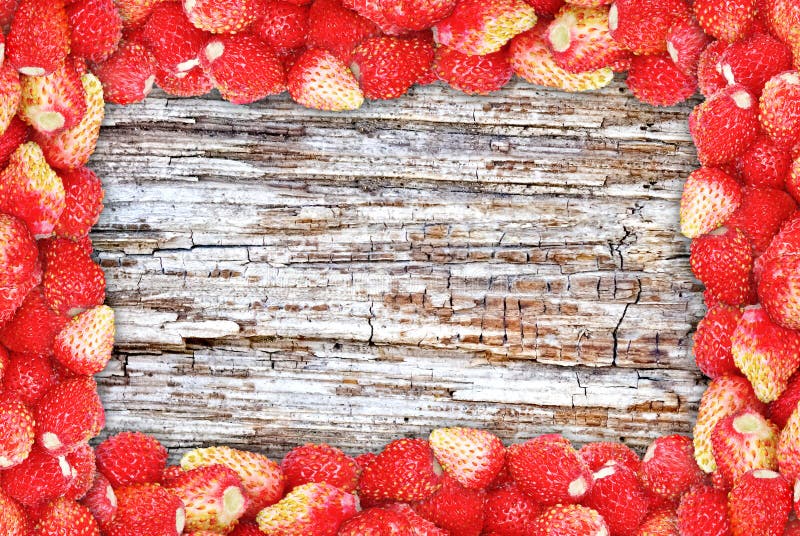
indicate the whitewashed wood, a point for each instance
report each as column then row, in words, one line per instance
column 509, row 262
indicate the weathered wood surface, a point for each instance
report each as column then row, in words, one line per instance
column 510, row 262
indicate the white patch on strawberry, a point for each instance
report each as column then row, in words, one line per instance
column 751, row 425
column 743, row 100
column 32, row 71
column 605, row 472
column 559, row 34
column 214, row 50
column 673, row 52
column 727, row 72
column 765, row 474
column 578, row 487
column 111, row 496
column 63, row 464
column 797, row 490
column 188, row 5
column 613, row 17
column 233, row 501
column 180, row 519
column 4, row 462
column 148, row 84
column 51, row 441
column 188, row 65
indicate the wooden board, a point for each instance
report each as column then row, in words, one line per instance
column 512, row 262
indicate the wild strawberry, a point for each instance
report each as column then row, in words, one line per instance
column 724, row 126
column 668, row 467
column 416, row 15
column 16, row 133
column 387, row 66
column 13, row 520
column 38, row 42
column 729, row 21
column 703, row 511
column 246, row 528
column 723, row 261
column 308, row 510
column 82, row 460
column 546, row 8
column 765, row 352
column 404, row 471
column 136, row 12
column 709, row 72
column 10, row 96
column 213, row 497
column 580, row 40
column 16, row 432
column 84, row 202
column 96, row 28
column 509, row 512
column 20, row 270
column 760, row 503
column 193, row 83
column 320, row 463
column 376, row 522
column 744, row 441
column 570, row 520
column 531, row 59
column 780, row 109
column 712, row 341
column 282, row 25
column 4, row 363
column 261, row 477
column 548, row 469
column 660, row 522
column 792, row 180
column 478, row 27
column 69, row 414
column 128, row 75
column 454, row 508
column 686, row 42
column 656, row 80
column 72, row 282
column 338, row 30
column 761, row 214
column 474, row 75
column 779, row 410
column 131, row 458
column 222, row 16
column 782, row 17
column 618, row 496
column 596, row 455
column 101, row 500
column 764, row 165
column 146, row 509
column 419, row 525
column 754, row 61
column 785, row 242
column 779, row 290
column 28, row 377
column 34, row 326
column 320, row 80
column 642, row 26
column 65, row 517
column 174, row 41
column 472, row 457
column 39, row 478
column 85, row 344
column 71, row 148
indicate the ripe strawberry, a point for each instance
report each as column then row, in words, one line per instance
column 338, row 30
column 146, row 509
column 660, row 522
column 72, row 282
column 709, row 197
column 755, row 60
column 193, row 83
column 760, row 503
column 457, row 509
column 82, row 460
column 764, row 165
column 404, row 471
column 10, row 96
column 65, row 517
column 16, row 432
column 128, row 75
column 782, row 17
column 709, row 72
column 509, row 512
column 786, row 242
column 319, row 80
column 308, row 510
column 101, row 500
column 34, row 326
column 546, row 9
column 419, row 525
column 686, row 42
column 656, row 80
column 85, row 344
column 478, row 27
column 222, row 16
column 596, row 455
column 261, row 477
column 531, row 59
column 712, row 341
column 71, row 148
column 580, row 40
column 376, row 522
column 618, row 496
column 131, row 458
column 792, row 180
column 84, row 202
column 213, row 497
column 724, row 126
column 282, row 25
column 246, row 528
column 136, row 12
column 744, row 441
column 39, row 478
column 243, row 68
column 69, row 414
column 16, row 133
column 570, row 520
column 387, row 66
column 779, row 411
column 28, row 377
column 723, row 261
column 729, row 21
column 320, row 463
column 780, row 109
column 761, row 214
column 549, row 470
column 779, row 290
column 668, row 467
column 703, row 511
column 20, row 270
column 472, row 457
column 174, row 41
column 13, row 520
column 38, row 42
column 416, row 15
column 96, row 28
column 4, row 363
column 765, row 352
column 642, row 26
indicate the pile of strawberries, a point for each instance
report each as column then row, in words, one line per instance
column 739, row 475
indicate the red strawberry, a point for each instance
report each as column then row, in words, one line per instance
column 754, row 61
column 319, row 80
column 15, row 134
column 222, row 16
column 146, row 509
column 282, row 25
column 65, row 517
column 320, row 463
column 39, row 478
column 709, row 197
column 780, row 109
column 4, row 363
column 709, row 72
column 416, row 14
column 765, row 352
column 474, row 75
column 13, row 520
column 703, row 511
column 404, row 471
column 779, row 290
column 333, row 27
column 478, row 27
column 10, row 96
column 128, row 75
column 786, row 242
column 243, row 68
column 472, row 457
column 668, row 467
column 174, row 41
column 686, row 42
column 712, row 341
column 131, row 458
column 85, row 344
column 760, row 504
column 82, row 460
column 20, row 270
column 308, row 510
column 656, row 80
column 372, row 11
column 34, row 326
column 135, row 12
column 28, row 377
column 724, row 126
column 642, row 26
column 618, row 496
column 764, row 165
column 660, row 522
column 193, row 83
column 792, row 180
column 509, row 512
column 454, row 508
column 261, row 477
column 376, row 522
column 69, row 414
column 213, row 497
column 247, row 528
column 38, row 42
column 387, row 66
column 84, row 202
column 72, row 281
column 723, row 261
column 596, row 455
column 96, row 28
column 779, row 411
column 570, row 520
column 549, row 470
column 419, row 525
column 101, row 500
column 580, row 40
column 16, row 432
column 761, row 214
column 546, row 8
column 730, row 20
column 782, row 17
column 744, row 441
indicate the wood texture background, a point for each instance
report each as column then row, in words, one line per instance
column 512, row 262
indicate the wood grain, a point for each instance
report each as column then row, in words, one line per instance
column 282, row 275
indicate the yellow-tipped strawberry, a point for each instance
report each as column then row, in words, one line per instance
column 709, row 198
column 17, row 426
column 479, row 27
column 10, row 93
column 743, row 441
column 13, row 520
column 310, row 509
column 779, row 107
column 31, row 190
column 472, row 457
column 84, row 345
column 213, row 496
column 320, row 80
column 580, row 40
column 53, row 102
column 20, row 270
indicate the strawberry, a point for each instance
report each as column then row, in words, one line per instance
column 792, row 180
column 96, row 28
column 712, row 341
column 668, row 467
column 754, row 61
column 703, row 511
column 723, row 261
column 509, row 512
column 72, row 282
column 10, row 96
column 531, row 59
column 320, row 463
column 4, row 364
column 222, row 16
column 785, row 242
column 789, row 447
column 38, row 42
column 213, row 497
column 596, row 455
column 16, row 432
column 174, row 41
column 642, row 26
column 386, row 67
column 761, row 214
column 333, row 27
column 546, row 8
column 376, row 522
column 686, row 42
column 419, row 525
column 136, row 12
column 656, row 80
column 709, row 197
column 282, row 25
column 65, row 517
column 660, row 522
column 128, row 74
column 765, row 165
column 320, row 80
column 472, row 457
column 570, row 520
column 780, row 109
column 779, row 290
column 404, row 471
column 416, row 14
column 20, row 270
column 474, row 75
column 34, row 326
column 71, row 148
column 744, row 441
column 478, row 27
column 146, row 509
column 84, row 202
column 782, row 17
column 792, row 527
column 13, row 520
column 261, row 477
column 101, row 500
column 16, row 133
column 618, row 496
column 28, row 377
column 779, row 410
column 85, row 344
column 193, row 83
column 765, row 352
column 580, row 41
column 373, row 11
column 308, row 510
column 131, row 458
column 246, row 528
column 760, row 504
column 549, row 470
column 69, row 414
column 243, row 68
column 730, row 20
column 456, row 509
column 709, row 72
column 724, row 126
column 82, row 460
column 39, row 478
